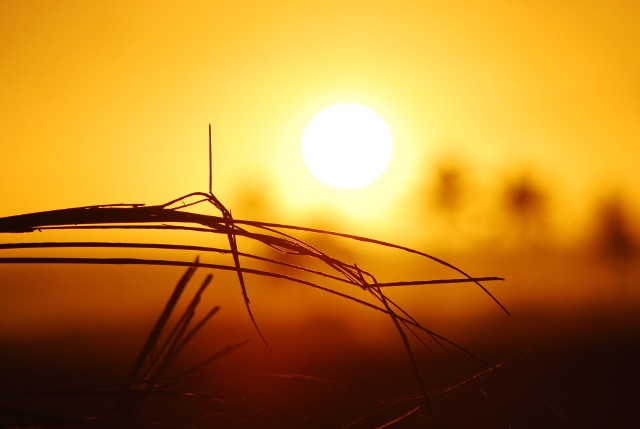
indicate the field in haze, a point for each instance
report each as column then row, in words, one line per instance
column 572, row 338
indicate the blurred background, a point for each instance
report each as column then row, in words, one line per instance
column 516, row 130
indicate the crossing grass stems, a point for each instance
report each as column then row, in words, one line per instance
column 148, row 377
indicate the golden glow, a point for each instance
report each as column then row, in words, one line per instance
column 347, row 146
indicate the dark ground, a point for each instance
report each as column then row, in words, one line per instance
column 590, row 378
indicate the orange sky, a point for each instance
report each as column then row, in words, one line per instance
column 109, row 102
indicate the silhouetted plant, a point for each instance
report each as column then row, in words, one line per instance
column 336, row 277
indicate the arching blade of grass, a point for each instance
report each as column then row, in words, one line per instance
column 163, row 262
column 125, row 215
column 155, row 357
column 205, row 249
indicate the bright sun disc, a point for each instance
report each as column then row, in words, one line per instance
column 347, row 146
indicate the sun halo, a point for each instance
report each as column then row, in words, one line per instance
column 347, row 146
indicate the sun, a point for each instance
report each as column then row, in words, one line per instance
column 347, row 146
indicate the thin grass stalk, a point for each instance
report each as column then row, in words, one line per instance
column 166, row 351
column 214, row 357
column 407, row 346
column 126, row 214
column 192, row 333
column 159, row 373
column 126, row 404
column 180, row 344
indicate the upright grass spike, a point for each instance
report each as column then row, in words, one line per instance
column 177, row 340
column 210, row 163
column 127, row 404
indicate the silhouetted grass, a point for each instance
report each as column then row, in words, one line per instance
column 148, row 378
column 143, row 382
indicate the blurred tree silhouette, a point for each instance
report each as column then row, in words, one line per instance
column 447, row 194
column 449, row 187
column 445, row 205
column 526, row 205
column 614, row 235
